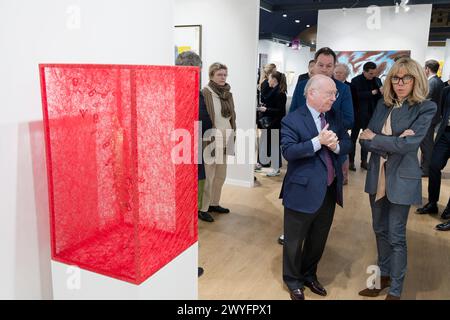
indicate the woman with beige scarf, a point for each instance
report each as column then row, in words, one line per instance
column 220, row 106
column 398, row 125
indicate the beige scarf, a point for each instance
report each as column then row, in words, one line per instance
column 226, row 98
column 387, row 131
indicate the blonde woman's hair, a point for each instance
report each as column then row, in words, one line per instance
column 271, row 67
column 216, row 66
column 420, row 89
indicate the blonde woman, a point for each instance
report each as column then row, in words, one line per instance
column 263, row 94
column 398, row 125
column 272, row 111
column 263, row 85
column 220, row 106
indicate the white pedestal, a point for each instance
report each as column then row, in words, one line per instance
column 176, row 281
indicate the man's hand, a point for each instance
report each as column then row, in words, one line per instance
column 367, row 135
column 327, row 137
column 261, row 108
column 374, row 92
column 407, row 133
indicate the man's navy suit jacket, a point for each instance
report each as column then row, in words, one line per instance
column 305, row 184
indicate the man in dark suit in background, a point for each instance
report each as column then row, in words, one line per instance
column 436, row 85
column 368, row 87
column 315, row 144
column 439, row 158
column 307, row 75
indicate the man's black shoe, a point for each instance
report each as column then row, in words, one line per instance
column 205, row 216
column 443, row 226
column 430, row 207
column 218, row 209
column 316, row 287
column 297, row 294
column 446, row 214
column 364, row 165
column 351, row 166
column 200, row 271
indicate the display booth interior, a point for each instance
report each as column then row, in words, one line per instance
column 119, row 203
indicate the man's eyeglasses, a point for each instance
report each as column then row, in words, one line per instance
column 405, row 79
column 332, row 94
column 328, row 94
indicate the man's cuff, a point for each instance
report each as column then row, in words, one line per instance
column 337, row 150
column 316, row 144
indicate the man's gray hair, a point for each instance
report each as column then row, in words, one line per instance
column 343, row 65
column 308, row 86
column 188, row 58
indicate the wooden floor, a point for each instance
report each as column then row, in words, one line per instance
column 242, row 259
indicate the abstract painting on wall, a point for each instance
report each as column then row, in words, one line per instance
column 383, row 59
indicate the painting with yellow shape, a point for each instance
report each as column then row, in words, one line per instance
column 183, row 49
column 441, row 66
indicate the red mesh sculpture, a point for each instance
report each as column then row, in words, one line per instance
column 119, row 205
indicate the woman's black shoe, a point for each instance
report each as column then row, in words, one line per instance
column 205, row 216
column 218, row 209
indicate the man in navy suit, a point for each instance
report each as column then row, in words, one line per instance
column 325, row 59
column 315, row 144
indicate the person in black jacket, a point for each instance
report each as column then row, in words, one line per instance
column 263, row 86
column 263, row 90
column 269, row 117
column 439, row 158
column 368, row 87
column 190, row 58
column 307, row 75
column 434, row 94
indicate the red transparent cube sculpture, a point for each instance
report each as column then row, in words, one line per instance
column 119, row 205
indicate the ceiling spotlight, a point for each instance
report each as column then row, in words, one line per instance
column 308, row 26
column 297, row 21
column 312, row 42
column 284, row 15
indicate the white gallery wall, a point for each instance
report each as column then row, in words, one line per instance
column 446, row 69
column 376, row 28
column 436, row 53
column 229, row 35
column 287, row 59
column 55, row 31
